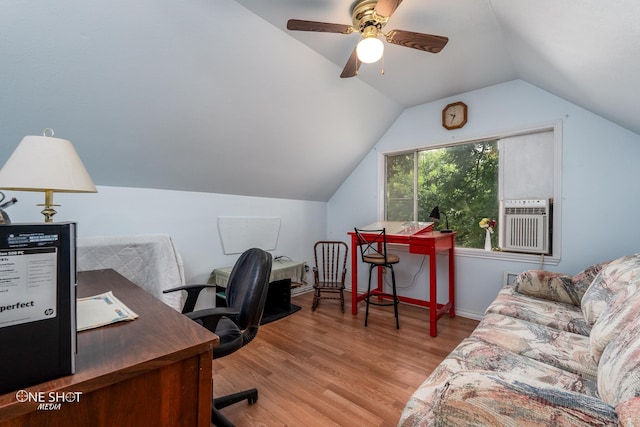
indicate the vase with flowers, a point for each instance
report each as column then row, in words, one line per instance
column 488, row 225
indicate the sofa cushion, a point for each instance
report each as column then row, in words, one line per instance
column 619, row 368
column 622, row 310
column 613, row 277
column 629, row 413
column 548, row 285
column 557, row 315
column 583, row 279
column 504, row 399
column 474, row 354
column 562, row 349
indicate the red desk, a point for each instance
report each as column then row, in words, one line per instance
column 421, row 239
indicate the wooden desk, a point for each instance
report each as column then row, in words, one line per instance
column 152, row 371
column 421, row 240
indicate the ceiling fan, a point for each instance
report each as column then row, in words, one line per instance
column 369, row 18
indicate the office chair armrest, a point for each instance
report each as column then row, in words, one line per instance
column 209, row 317
column 188, row 287
column 193, row 291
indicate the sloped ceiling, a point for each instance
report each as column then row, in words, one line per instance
column 217, row 96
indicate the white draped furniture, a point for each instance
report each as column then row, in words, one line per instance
column 151, row 261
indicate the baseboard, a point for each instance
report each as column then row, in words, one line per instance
column 303, row 289
column 461, row 313
column 469, row 315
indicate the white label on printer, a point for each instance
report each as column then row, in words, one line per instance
column 28, row 285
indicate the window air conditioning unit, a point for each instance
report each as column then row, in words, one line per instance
column 526, row 226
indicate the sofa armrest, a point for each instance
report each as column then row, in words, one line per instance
column 490, row 398
column 548, row 285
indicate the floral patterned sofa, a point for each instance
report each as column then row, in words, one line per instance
column 552, row 349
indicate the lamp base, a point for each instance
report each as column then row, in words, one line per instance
column 48, row 210
column 48, row 213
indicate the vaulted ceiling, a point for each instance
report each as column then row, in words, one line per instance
column 217, row 96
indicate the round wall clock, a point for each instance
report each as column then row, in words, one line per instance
column 454, row 116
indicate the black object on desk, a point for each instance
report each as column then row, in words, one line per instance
column 37, row 303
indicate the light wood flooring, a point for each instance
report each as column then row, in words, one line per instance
column 325, row 368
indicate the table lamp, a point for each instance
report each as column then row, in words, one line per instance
column 48, row 164
column 435, row 215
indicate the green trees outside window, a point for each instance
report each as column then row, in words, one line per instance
column 462, row 180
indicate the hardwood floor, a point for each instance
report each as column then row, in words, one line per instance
column 325, row 368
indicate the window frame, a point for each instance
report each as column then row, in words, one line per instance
column 540, row 259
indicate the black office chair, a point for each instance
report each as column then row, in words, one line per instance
column 237, row 324
column 373, row 250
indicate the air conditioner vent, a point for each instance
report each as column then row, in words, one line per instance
column 525, row 211
column 526, row 225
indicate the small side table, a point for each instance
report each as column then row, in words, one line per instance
column 283, row 273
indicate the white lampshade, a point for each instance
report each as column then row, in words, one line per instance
column 45, row 163
column 370, row 50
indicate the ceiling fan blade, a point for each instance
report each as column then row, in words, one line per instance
column 322, row 27
column 387, row 7
column 426, row 42
column 351, row 68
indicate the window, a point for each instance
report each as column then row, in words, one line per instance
column 468, row 181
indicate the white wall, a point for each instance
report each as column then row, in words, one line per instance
column 600, row 205
column 189, row 217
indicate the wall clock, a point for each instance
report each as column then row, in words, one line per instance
column 454, row 116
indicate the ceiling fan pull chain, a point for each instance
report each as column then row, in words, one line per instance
column 382, row 63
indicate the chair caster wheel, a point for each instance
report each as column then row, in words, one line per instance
column 253, row 398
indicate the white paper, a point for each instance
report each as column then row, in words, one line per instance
column 101, row 310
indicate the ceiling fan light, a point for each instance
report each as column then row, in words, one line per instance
column 370, row 50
